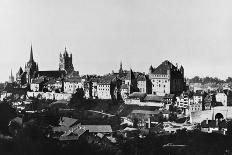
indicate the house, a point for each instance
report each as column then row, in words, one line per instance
column 109, row 87
column 55, row 84
column 197, row 98
column 210, row 126
column 153, row 100
column 143, row 99
column 142, row 83
column 72, row 84
column 124, row 91
column 182, row 101
column 195, row 107
column 38, row 84
column 169, row 98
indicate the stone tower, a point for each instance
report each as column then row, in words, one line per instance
column 66, row 62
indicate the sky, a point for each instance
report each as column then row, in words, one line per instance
column 100, row 33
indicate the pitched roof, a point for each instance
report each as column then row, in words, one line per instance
column 141, row 77
column 137, row 95
column 52, row 73
column 107, row 79
column 66, row 121
column 153, row 98
column 163, row 68
column 98, row 128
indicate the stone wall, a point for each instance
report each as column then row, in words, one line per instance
column 50, row 95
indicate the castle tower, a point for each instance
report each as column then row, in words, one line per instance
column 65, row 63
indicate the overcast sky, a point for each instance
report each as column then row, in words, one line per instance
column 101, row 33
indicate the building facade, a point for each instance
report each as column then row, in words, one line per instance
column 167, row 79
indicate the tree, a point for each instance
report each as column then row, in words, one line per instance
column 229, row 127
column 77, row 98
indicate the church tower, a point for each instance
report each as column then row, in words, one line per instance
column 31, row 67
column 65, row 63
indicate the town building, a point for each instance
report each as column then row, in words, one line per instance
column 142, row 83
column 109, row 87
column 72, row 84
column 54, row 85
column 37, row 84
column 167, row 79
column 198, row 98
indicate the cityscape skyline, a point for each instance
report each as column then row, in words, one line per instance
column 194, row 34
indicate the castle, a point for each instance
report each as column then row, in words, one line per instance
column 167, row 79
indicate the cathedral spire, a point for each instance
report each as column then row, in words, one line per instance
column 31, row 55
column 65, row 51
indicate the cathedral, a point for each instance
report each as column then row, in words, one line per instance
column 31, row 71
